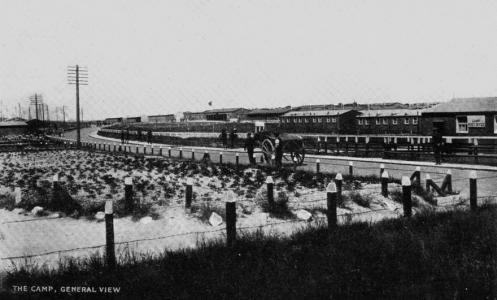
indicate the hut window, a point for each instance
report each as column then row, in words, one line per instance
column 395, row 121
column 461, row 124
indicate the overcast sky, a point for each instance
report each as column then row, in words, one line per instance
column 153, row 57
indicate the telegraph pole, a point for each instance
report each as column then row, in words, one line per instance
column 78, row 76
column 35, row 100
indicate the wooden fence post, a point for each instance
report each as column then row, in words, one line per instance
column 137, row 149
column 189, row 193
column 270, row 191
column 237, row 160
column 338, row 184
column 325, row 145
column 180, row 152
column 128, row 194
column 220, row 157
column 406, row 196
column 318, row 163
column 160, row 151
column 331, row 201
column 384, row 184
column 428, row 182
column 169, row 152
column 473, row 194
column 110, row 254
column 338, row 146
column 447, row 183
column 144, row 150
column 193, row 154
column 351, row 168
column 230, row 222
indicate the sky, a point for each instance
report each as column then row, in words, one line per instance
column 158, row 56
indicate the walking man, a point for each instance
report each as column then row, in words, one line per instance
column 249, row 147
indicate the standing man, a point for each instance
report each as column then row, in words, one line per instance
column 249, row 147
column 437, row 147
column 122, row 136
column 224, row 138
column 149, row 136
column 278, row 149
column 127, row 135
column 233, row 137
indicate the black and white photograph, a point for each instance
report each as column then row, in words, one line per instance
column 248, row 149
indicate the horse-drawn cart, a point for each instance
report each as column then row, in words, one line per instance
column 292, row 145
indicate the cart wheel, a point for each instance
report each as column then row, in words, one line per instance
column 267, row 148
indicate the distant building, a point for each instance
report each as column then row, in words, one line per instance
column 462, row 117
column 109, row 121
column 162, row 118
column 133, row 120
column 13, row 128
column 226, row 114
column 319, row 121
column 267, row 114
column 193, row 116
column 389, row 121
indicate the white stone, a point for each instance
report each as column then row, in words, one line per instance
column 36, row 210
column 146, row 220
column 100, row 216
column 303, row 214
column 215, row 219
column 18, row 195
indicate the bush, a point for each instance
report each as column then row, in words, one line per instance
column 7, row 201
column 358, row 198
column 280, row 208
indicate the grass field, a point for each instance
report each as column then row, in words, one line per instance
column 448, row 255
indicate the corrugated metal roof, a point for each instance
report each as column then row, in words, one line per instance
column 155, row 116
column 460, row 105
column 223, row 110
column 13, row 123
column 390, row 113
column 317, row 113
column 263, row 111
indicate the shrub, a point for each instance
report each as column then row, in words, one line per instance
column 7, row 201
column 359, row 199
column 280, row 208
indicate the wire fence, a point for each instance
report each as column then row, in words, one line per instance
column 315, row 198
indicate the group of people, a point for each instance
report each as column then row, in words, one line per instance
column 233, row 136
column 125, row 136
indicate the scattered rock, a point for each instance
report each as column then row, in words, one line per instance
column 100, row 216
column 74, row 214
column 18, row 210
column 215, row 219
column 303, row 214
column 37, row 210
column 146, row 220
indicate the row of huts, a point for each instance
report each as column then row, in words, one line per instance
column 460, row 116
